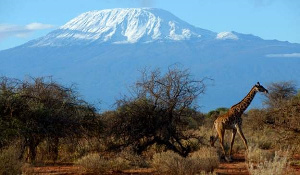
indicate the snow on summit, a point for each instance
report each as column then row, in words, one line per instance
column 226, row 35
column 123, row 25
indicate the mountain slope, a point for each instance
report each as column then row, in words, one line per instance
column 123, row 26
column 102, row 51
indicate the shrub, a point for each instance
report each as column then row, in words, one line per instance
column 97, row 164
column 265, row 164
column 172, row 164
column 119, row 164
column 9, row 162
column 93, row 163
column 255, row 154
column 205, row 159
column 134, row 159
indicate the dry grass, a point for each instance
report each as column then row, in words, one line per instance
column 255, row 154
column 207, row 173
column 72, row 150
column 172, row 164
column 135, row 161
column 97, row 164
column 262, row 163
column 263, row 138
column 205, row 160
column 9, row 162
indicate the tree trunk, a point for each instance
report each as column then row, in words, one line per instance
column 53, row 148
column 32, row 151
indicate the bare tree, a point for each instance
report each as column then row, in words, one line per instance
column 158, row 112
column 280, row 91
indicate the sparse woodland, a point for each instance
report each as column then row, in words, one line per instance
column 158, row 126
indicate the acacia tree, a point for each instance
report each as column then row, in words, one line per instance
column 8, row 102
column 280, row 92
column 158, row 112
column 283, row 112
column 41, row 109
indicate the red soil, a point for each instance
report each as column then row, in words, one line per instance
column 237, row 167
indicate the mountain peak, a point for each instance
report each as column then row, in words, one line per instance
column 124, row 25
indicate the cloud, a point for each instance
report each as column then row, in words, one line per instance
column 38, row 26
column 10, row 30
column 284, row 55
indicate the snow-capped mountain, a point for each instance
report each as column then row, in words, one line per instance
column 119, row 26
column 103, row 51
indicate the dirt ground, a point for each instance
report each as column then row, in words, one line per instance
column 237, row 167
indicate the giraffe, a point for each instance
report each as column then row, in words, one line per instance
column 232, row 120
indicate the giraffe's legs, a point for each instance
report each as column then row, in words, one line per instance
column 221, row 133
column 213, row 139
column 239, row 130
column 232, row 141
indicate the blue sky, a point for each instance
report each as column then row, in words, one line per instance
column 24, row 20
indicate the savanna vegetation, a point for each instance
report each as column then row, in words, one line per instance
column 158, row 127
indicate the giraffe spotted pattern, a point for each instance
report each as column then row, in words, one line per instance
column 232, row 120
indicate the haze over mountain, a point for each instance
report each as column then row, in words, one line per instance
column 102, row 51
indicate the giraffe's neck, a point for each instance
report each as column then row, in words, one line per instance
column 243, row 105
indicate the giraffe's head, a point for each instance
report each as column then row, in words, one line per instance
column 260, row 88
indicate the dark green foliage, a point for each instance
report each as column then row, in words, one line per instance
column 217, row 112
column 211, row 116
column 41, row 109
